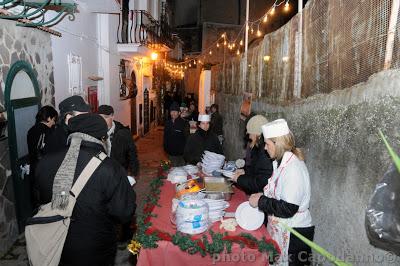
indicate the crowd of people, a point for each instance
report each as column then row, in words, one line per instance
column 185, row 148
column 275, row 176
column 58, row 153
column 60, row 146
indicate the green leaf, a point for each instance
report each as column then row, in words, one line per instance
column 395, row 157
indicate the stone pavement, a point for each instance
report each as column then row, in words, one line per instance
column 150, row 151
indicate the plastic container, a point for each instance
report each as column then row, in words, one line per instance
column 192, row 216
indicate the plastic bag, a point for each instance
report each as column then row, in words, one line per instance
column 382, row 219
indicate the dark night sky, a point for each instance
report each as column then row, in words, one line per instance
column 193, row 13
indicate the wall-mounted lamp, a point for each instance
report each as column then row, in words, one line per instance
column 267, row 58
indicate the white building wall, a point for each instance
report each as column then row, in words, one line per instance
column 109, row 61
column 80, row 38
column 94, row 38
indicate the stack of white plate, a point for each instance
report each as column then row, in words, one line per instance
column 177, row 175
column 192, row 216
column 216, row 209
column 191, row 169
column 212, row 161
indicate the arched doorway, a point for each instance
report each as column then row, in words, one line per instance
column 22, row 99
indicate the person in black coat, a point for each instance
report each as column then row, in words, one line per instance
column 121, row 146
column 106, row 199
column 194, row 113
column 37, row 138
column 69, row 107
column 167, row 104
column 256, row 173
column 216, row 120
column 176, row 132
column 202, row 140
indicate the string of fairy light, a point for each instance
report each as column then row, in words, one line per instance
column 234, row 45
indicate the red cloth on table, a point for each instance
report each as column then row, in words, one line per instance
column 168, row 254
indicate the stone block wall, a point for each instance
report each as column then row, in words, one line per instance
column 344, row 155
column 33, row 46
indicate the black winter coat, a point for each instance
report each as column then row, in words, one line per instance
column 199, row 142
column 257, row 173
column 216, row 124
column 123, row 148
column 36, row 137
column 57, row 139
column 175, row 135
column 106, row 199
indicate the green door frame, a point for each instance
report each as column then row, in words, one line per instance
column 21, row 206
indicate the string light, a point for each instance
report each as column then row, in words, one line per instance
column 252, row 26
column 272, row 12
column 286, row 8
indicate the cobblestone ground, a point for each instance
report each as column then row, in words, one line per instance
column 150, row 153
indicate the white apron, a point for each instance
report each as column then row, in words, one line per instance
column 274, row 190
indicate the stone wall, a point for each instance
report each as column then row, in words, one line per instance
column 344, row 155
column 33, row 46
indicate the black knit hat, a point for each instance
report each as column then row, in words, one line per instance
column 73, row 103
column 91, row 124
column 174, row 107
column 105, row 110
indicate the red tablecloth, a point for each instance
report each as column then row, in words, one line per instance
column 168, row 254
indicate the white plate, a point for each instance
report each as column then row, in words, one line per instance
column 249, row 218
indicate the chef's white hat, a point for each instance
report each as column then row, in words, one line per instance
column 204, row 118
column 275, row 129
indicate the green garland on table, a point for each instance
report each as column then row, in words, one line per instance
column 147, row 237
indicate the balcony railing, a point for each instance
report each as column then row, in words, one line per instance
column 141, row 28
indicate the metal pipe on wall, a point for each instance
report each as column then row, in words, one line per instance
column 246, row 44
column 298, row 52
column 391, row 34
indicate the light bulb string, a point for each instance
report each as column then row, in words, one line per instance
column 224, row 36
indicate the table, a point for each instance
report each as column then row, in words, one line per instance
column 168, row 254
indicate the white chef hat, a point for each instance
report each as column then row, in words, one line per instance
column 204, row 118
column 275, row 129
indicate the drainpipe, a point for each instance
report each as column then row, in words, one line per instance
column 246, row 44
column 391, row 32
column 298, row 52
column 239, row 9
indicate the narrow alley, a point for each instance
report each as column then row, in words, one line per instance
column 234, row 95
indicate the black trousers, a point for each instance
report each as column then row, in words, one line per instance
column 299, row 253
